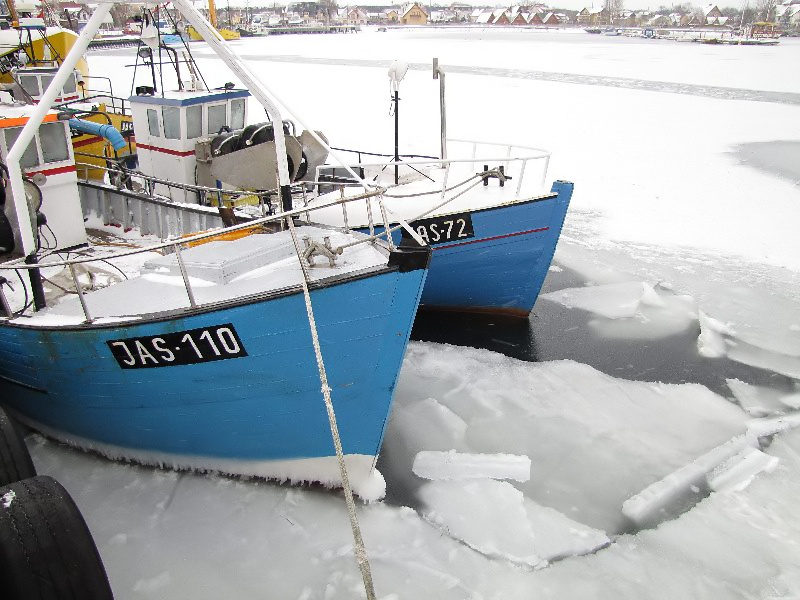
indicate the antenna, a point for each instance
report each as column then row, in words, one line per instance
column 397, row 70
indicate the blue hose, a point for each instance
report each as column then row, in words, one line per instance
column 109, row 132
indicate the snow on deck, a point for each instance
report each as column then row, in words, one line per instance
column 218, row 271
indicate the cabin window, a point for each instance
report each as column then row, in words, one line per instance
column 70, row 87
column 30, row 83
column 216, row 118
column 46, row 81
column 237, row 113
column 172, row 122
column 53, row 138
column 30, row 158
column 152, row 122
column 194, row 121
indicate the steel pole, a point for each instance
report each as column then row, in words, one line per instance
column 396, row 136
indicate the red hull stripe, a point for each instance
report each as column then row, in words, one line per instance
column 489, row 239
column 167, row 151
column 55, row 171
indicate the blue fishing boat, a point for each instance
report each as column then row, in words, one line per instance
column 231, row 384
column 498, row 262
column 268, row 348
column 492, row 245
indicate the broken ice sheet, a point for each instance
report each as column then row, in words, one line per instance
column 494, row 518
column 759, row 401
column 631, row 310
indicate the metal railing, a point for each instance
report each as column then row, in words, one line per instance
column 507, row 162
column 175, row 246
column 504, row 155
column 121, row 178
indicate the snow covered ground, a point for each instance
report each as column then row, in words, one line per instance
column 684, row 220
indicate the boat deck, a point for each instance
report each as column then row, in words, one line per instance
column 218, row 272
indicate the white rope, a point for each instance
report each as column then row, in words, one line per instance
column 359, row 548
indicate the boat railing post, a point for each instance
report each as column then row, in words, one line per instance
column 370, row 219
column 3, row 300
column 544, row 171
column 386, row 224
column 344, row 209
column 79, row 289
column 521, row 175
column 445, row 178
column 185, row 276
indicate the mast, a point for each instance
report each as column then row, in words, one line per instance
column 212, row 13
column 12, row 11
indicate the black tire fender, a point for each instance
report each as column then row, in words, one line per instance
column 46, row 549
column 15, row 460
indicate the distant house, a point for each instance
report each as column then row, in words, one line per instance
column 484, row 17
column 660, row 21
column 535, row 19
column 390, row 16
column 551, row 19
column 521, row 19
column 413, row 14
column 501, row 19
column 356, row 16
column 592, row 16
column 788, row 15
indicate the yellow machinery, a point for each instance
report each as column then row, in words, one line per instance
column 225, row 32
column 42, row 46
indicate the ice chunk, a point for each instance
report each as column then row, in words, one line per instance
column 657, row 500
column 613, row 301
column 711, row 341
column 556, row 536
column 455, row 465
column 764, row 358
column 487, row 515
column 765, row 427
column 737, row 472
column 760, row 401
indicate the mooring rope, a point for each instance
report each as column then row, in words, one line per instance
column 359, row 547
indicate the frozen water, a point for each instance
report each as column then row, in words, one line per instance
column 668, row 226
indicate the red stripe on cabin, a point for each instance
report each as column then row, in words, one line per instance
column 166, row 150
column 55, row 171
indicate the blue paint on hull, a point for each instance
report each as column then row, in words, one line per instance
column 265, row 406
column 503, row 267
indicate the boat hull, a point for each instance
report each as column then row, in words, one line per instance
column 259, row 412
column 501, row 267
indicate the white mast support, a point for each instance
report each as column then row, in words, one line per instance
column 263, row 94
column 250, row 81
column 32, row 126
